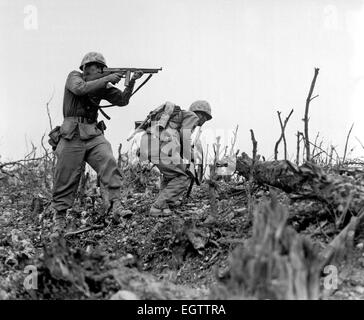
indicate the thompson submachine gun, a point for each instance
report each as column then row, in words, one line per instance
column 125, row 73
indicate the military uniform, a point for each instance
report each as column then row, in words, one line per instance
column 174, row 146
column 81, row 139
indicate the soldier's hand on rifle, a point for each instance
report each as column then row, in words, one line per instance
column 137, row 75
column 114, row 78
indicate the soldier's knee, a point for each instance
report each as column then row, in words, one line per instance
column 110, row 161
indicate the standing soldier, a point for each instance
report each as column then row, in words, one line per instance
column 82, row 138
column 174, row 150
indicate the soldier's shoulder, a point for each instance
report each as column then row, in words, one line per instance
column 75, row 73
column 188, row 113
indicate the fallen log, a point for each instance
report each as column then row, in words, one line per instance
column 343, row 194
column 274, row 173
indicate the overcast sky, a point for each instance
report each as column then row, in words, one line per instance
column 247, row 58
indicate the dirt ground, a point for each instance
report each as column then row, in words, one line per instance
column 142, row 257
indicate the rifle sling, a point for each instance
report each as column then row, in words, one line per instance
column 142, row 84
column 135, row 91
column 104, row 114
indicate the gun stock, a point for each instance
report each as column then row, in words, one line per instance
column 140, row 128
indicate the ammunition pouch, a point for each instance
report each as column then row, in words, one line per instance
column 101, row 125
column 55, row 137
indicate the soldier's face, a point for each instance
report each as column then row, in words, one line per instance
column 93, row 69
column 203, row 118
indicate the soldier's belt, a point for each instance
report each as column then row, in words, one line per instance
column 81, row 119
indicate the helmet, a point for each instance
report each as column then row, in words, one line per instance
column 93, row 57
column 203, row 106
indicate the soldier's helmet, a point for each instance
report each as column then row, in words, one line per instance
column 203, row 106
column 93, row 57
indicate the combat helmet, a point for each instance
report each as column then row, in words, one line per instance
column 203, row 106
column 93, row 57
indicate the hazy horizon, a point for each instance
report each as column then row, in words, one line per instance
column 247, row 58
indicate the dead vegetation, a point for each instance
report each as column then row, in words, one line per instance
column 267, row 231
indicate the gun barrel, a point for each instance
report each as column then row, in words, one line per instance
column 124, row 70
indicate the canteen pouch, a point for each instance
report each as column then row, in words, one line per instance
column 55, row 137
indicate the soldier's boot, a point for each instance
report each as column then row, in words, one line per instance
column 59, row 225
column 155, row 211
column 117, row 211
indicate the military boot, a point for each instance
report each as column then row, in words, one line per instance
column 160, row 212
column 59, row 225
column 117, row 211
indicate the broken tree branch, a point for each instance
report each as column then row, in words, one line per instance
column 346, row 143
column 119, row 155
column 282, row 136
column 322, row 150
column 233, row 140
column 255, row 145
column 298, row 147
column 18, row 162
column 48, row 112
column 361, row 144
column 306, row 119
column 315, row 144
column 86, row 229
column 212, row 182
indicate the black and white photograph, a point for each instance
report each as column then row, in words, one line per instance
column 182, row 153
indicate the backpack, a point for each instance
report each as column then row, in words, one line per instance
column 158, row 120
column 162, row 115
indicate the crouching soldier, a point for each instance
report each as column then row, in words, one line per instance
column 82, row 139
column 169, row 148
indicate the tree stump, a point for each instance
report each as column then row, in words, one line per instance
column 276, row 263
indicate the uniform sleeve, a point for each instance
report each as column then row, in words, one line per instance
column 78, row 86
column 116, row 96
column 189, row 123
